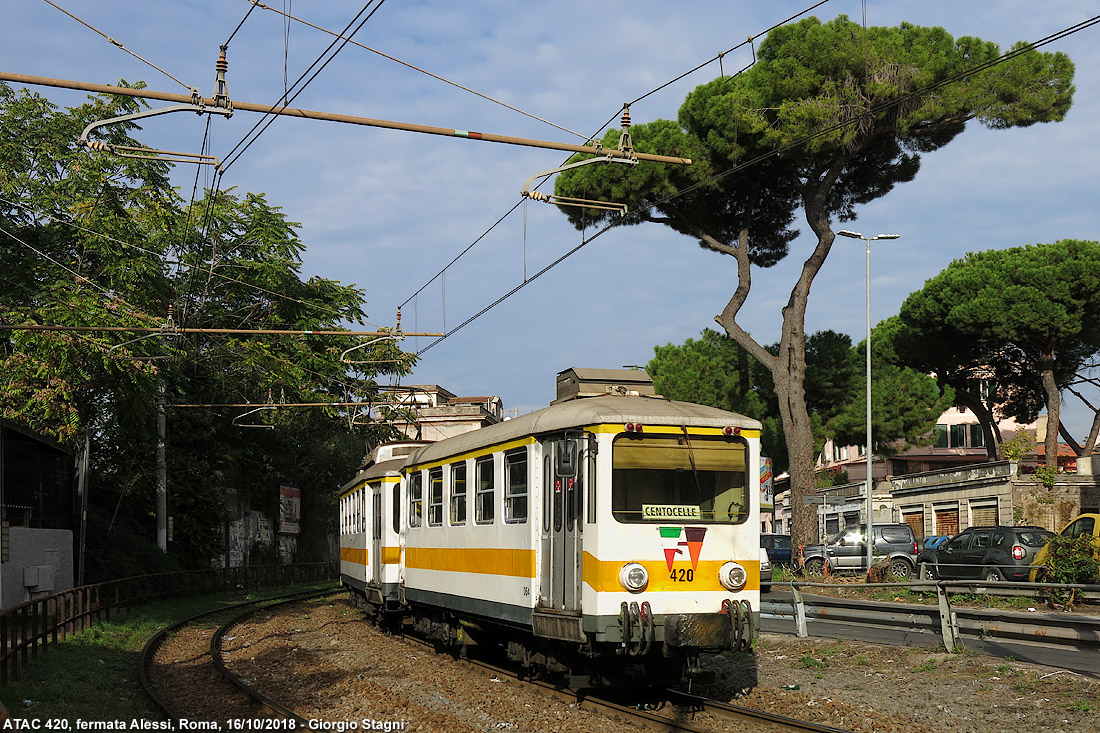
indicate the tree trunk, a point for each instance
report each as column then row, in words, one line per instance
column 788, row 369
column 974, row 403
column 1054, row 411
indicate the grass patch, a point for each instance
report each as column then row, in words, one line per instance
column 810, row 662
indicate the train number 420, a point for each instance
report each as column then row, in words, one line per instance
column 682, row 575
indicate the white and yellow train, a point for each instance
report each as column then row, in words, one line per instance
column 601, row 538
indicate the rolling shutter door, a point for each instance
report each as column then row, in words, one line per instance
column 947, row 519
column 916, row 521
column 983, row 513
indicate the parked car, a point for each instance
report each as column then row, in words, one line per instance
column 778, row 547
column 1087, row 524
column 931, row 542
column 847, row 550
column 765, row 572
column 989, row 553
column 924, row 557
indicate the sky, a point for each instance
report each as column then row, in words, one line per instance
column 388, row 210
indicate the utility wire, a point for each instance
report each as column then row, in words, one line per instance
column 119, row 45
column 592, row 137
column 80, row 279
column 268, row 118
column 235, row 29
column 486, row 97
column 777, row 151
column 130, row 245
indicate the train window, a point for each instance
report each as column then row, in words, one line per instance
column 376, row 514
column 458, row 493
column 679, row 479
column 397, row 508
column 515, row 486
column 416, row 498
column 546, row 479
column 591, row 474
column 483, row 512
column 435, row 497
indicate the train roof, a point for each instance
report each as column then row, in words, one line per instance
column 584, row 412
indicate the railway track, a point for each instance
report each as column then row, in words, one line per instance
column 659, row 709
column 222, row 695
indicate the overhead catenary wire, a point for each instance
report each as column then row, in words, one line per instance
column 258, row 288
column 175, row 330
column 270, row 115
column 639, row 156
column 1058, row 35
column 120, row 45
column 486, row 97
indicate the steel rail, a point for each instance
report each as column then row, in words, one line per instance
column 648, row 719
column 347, row 119
column 153, row 645
column 727, row 710
column 219, row 663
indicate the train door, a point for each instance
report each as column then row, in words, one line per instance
column 562, row 523
column 376, row 534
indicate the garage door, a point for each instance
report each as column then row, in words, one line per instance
column 947, row 520
column 914, row 519
column 983, row 513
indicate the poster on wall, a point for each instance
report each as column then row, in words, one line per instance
column 290, row 509
column 767, row 481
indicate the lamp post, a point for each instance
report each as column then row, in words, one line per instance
column 870, row 539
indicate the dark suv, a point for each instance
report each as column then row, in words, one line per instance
column 989, row 553
column 847, row 550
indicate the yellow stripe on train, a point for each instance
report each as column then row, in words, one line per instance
column 359, row 555
column 603, row 575
column 481, row 560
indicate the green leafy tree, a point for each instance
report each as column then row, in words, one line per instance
column 904, row 406
column 713, row 370
column 832, row 115
column 1025, row 314
column 88, row 239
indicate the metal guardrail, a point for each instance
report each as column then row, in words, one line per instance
column 951, row 622
column 32, row 626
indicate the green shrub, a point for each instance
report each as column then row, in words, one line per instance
column 1071, row 560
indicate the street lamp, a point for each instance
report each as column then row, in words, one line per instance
column 870, row 500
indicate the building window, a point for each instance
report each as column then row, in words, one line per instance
column 940, row 433
column 977, row 436
column 416, row 499
column 483, row 471
column 435, row 497
column 958, row 436
column 458, row 493
column 515, row 486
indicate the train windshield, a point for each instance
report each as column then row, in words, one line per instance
column 679, row 479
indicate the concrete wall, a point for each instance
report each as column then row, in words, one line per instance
column 40, row 563
column 1056, row 507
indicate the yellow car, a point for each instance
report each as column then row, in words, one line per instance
column 1086, row 524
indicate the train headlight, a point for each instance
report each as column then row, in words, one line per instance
column 633, row 577
column 732, row 576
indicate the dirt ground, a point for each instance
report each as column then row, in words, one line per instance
column 330, row 664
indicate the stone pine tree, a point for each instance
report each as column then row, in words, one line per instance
column 831, row 115
column 1025, row 316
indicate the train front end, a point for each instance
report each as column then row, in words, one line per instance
column 672, row 570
